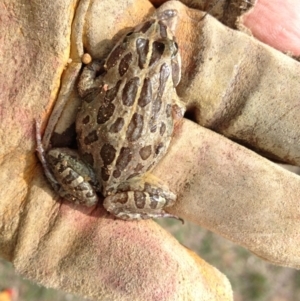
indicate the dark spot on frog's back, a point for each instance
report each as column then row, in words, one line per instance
column 105, row 112
column 138, row 168
column 139, row 199
column 144, row 27
column 129, row 91
column 162, row 29
column 164, row 75
column 104, row 174
column 153, row 127
column 116, row 173
column 162, row 129
column 157, row 102
column 146, row 93
column 107, row 153
column 114, row 56
column 125, row 63
column 91, row 138
column 124, row 158
column 135, row 127
column 117, row 125
column 86, row 119
column 156, row 106
column 142, row 48
column 157, row 51
column 145, row 152
column 111, row 94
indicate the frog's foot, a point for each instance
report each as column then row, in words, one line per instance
column 136, row 205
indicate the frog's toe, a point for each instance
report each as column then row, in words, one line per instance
column 129, row 216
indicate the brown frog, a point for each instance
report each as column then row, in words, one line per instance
column 124, row 126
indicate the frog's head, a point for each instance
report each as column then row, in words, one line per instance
column 148, row 46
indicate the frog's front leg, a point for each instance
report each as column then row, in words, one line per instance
column 69, row 176
column 90, row 78
column 142, row 198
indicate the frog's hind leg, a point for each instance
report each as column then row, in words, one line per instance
column 67, row 173
column 141, row 199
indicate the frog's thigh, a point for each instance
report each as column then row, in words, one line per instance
column 145, row 198
column 77, row 182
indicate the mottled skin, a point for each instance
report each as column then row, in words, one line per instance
column 124, row 125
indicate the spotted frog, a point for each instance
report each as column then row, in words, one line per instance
column 124, row 126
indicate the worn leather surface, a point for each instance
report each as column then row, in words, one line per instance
column 221, row 185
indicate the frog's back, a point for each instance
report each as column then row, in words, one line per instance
column 125, row 127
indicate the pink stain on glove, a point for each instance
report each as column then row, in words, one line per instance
column 276, row 23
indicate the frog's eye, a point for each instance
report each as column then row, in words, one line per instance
column 143, row 28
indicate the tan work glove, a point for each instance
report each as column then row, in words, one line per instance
column 220, row 184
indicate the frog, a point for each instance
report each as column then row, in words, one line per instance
column 124, row 126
